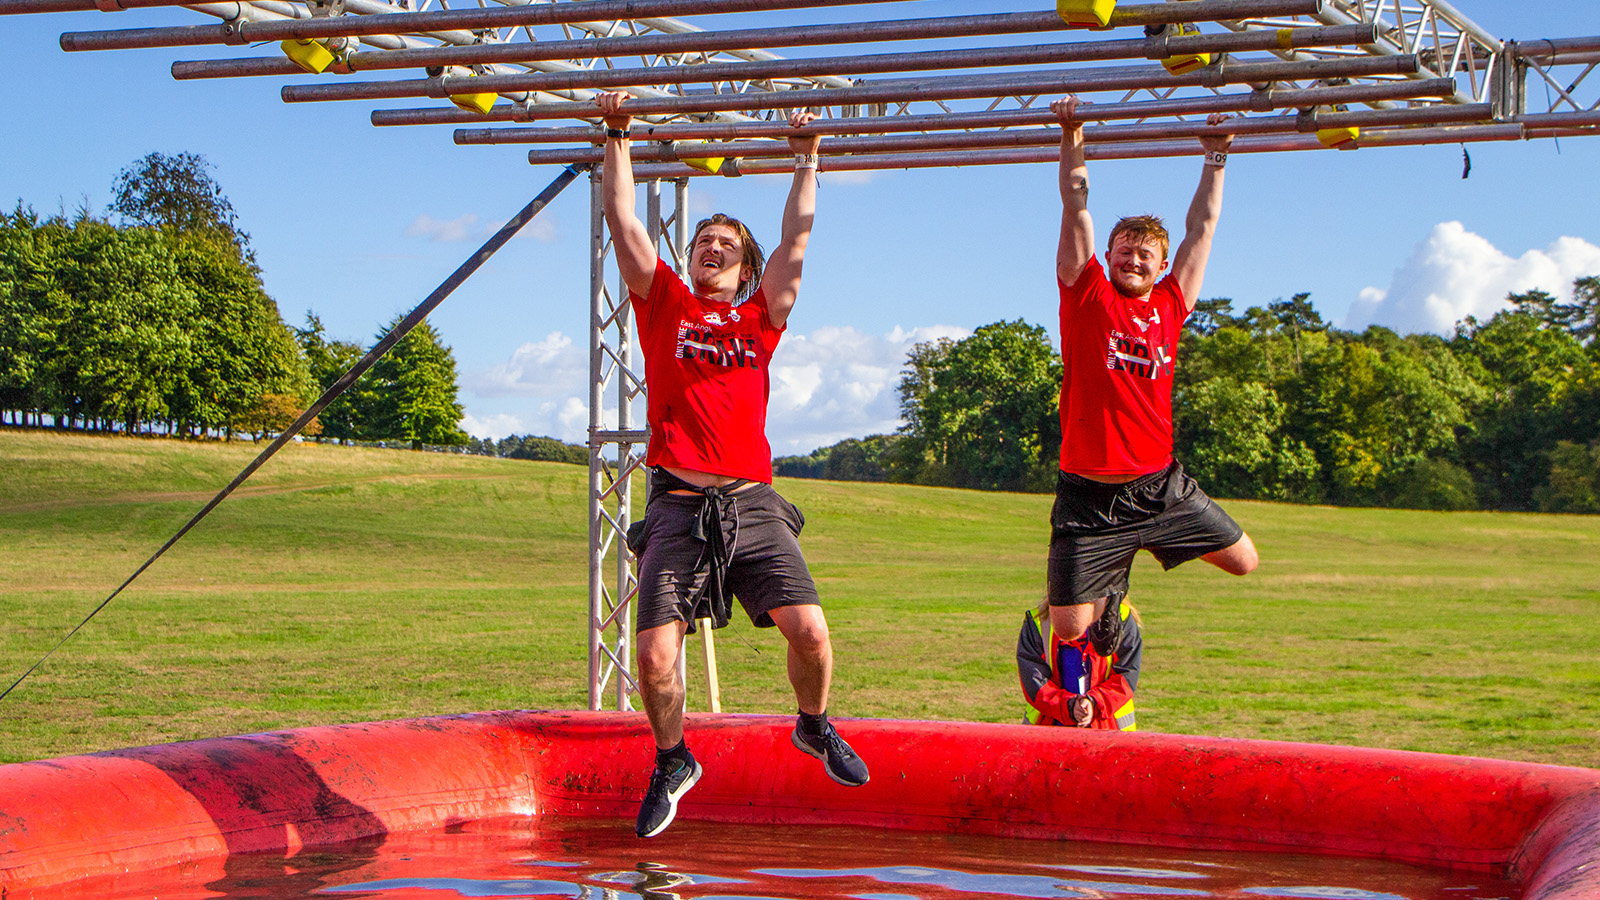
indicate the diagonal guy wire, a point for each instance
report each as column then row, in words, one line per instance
column 462, row 273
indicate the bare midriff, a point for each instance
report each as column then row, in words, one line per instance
column 702, row 479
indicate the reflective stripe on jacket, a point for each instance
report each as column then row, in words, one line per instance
column 1111, row 680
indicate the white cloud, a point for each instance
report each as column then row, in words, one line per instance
column 492, row 426
column 551, row 376
column 539, row 369
column 1454, row 273
column 446, row 231
column 833, row 383
column 468, row 227
column 838, row 382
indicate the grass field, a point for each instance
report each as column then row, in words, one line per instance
column 344, row 585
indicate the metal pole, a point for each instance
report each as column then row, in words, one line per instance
column 1385, row 137
column 520, row 16
column 957, row 87
column 1028, row 137
column 644, row 44
column 1585, row 119
column 528, row 15
column 597, row 614
column 1260, row 101
column 1030, row 55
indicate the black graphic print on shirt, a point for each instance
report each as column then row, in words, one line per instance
column 1136, row 356
column 713, row 344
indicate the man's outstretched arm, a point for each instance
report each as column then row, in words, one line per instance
column 636, row 254
column 781, row 278
column 1200, row 225
column 1077, row 229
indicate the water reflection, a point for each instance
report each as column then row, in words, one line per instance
column 602, row 860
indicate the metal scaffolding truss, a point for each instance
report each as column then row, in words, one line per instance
column 1161, row 62
column 896, row 83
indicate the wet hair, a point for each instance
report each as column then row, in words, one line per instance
column 754, row 257
column 1140, row 229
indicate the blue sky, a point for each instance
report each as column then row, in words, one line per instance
column 360, row 223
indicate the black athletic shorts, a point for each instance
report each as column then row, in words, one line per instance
column 1095, row 529
column 765, row 571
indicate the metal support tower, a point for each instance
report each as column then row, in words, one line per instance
column 612, row 583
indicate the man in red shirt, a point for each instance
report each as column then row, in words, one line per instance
column 1119, row 489
column 713, row 525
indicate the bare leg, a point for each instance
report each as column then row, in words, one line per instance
column 658, row 681
column 1070, row 622
column 810, row 655
column 1239, row 559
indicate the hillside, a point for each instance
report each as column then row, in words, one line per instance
column 347, row 584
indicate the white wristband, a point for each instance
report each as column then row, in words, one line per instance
column 1218, row 158
column 806, row 161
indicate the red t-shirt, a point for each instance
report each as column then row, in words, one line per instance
column 705, row 367
column 1116, row 398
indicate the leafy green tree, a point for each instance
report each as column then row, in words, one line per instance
column 1210, row 315
column 1368, row 407
column 121, row 319
column 1536, row 377
column 812, row 465
column 243, row 350
column 25, row 333
column 1425, row 483
column 855, row 460
column 983, row 410
column 541, row 449
column 327, row 361
column 1228, row 434
column 1573, row 484
column 273, row 414
column 411, row 392
column 177, row 192
column 1296, row 319
column 1578, row 317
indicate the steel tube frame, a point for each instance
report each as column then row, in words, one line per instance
column 941, row 88
column 628, row 45
column 838, row 65
column 566, row 13
column 1030, row 137
column 1258, row 101
column 523, row 15
column 1393, row 137
column 610, row 505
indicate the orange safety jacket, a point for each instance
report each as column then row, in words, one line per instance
column 1111, row 680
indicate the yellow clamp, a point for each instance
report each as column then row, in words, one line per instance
column 1086, row 13
column 1184, row 63
column 310, row 55
column 707, row 164
column 1339, row 138
column 478, row 103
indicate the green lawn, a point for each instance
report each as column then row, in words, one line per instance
column 345, row 585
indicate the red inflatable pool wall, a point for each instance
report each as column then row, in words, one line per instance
column 91, row 818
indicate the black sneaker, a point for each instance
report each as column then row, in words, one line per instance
column 1106, row 633
column 661, row 801
column 841, row 763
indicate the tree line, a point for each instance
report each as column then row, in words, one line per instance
column 159, row 323
column 1274, row 403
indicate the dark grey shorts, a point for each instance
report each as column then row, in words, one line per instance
column 1095, row 529
column 766, row 570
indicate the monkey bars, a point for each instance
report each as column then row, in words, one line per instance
column 1302, row 75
